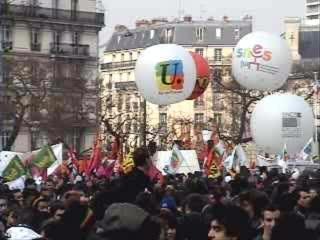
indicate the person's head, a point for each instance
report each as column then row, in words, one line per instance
column 127, row 221
column 18, row 196
column 303, row 197
column 3, row 204
column 146, row 201
column 168, row 224
column 290, row 226
column 253, row 202
column 270, row 216
column 141, row 158
column 41, row 205
column 194, row 203
column 313, row 192
column 229, row 223
column 30, row 184
column 12, row 217
column 57, row 210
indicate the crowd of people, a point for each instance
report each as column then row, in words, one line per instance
column 260, row 205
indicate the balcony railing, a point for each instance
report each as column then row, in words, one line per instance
column 69, row 49
column 22, row 11
column 130, row 85
column 310, row 2
column 118, row 65
column 222, row 61
column 36, row 47
column 7, row 45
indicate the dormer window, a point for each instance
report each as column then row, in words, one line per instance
column 152, row 33
column 200, row 34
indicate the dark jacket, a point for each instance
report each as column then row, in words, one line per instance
column 132, row 184
column 192, row 227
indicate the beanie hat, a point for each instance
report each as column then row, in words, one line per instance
column 121, row 217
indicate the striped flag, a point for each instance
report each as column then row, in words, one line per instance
column 285, row 155
column 128, row 163
column 307, row 150
column 176, row 159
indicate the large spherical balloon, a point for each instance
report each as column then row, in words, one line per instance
column 261, row 61
column 203, row 75
column 165, row 74
column 282, row 119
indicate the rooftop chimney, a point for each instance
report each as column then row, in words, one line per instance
column 120, row 28
column 142, row 23
column 156, row 21
column 226, row 18
column 187, row 18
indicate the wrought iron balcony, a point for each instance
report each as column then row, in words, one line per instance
column 68, row 49
column 7, row 45
column 36, row 47
column 118, row 65
column 43, row 14
column 220, row 61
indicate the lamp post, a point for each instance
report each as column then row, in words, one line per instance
column 144, row 122
column 34, row 130
column 317, row 113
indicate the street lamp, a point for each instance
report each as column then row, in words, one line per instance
column 34, row 133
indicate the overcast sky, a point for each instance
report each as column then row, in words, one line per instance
column 268, row 14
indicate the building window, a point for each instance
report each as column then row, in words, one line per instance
column 217, row 118
column 7, row 37
column 135, row 106
column 130, row 56
column 122, row 57
column 218, row 54
column 57, row 37
column 120, row 76
column 199, row 118
column 199, row 101
column 169, row 35
column 5, row 134
column 128, row 100
column 200, row 34
column 120, row 102
column 35, row 39
column 76, row 38
column 237, row 34
column 163, row 119
column 218, row 33
column 199, row 51
column 114, row 57
column 128, row 76
column 152, row 31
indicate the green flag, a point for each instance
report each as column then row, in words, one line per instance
column 44, row 158
column 14, row 170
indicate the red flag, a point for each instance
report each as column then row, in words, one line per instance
column 96, row 159
column 155, row 174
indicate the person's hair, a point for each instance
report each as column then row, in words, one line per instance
column 234, row 219
column 195, row 202
column 149, row 230
column 55, row 206
column 51, row 229
column 140, row 156
column 168, row 217
column 147, row 202
column 36, row 202
column 270, row 208
column 258, row 200
column 27, row 216
column 290, row 226
column 315, row 205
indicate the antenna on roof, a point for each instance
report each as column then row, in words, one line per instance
column 203, row 11
column 180, row 9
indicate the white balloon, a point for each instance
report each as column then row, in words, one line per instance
column 261, row 61
column 282, row 120
column 165, row 74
